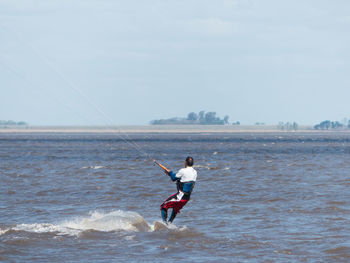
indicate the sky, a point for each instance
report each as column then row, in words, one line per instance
column 114, row 62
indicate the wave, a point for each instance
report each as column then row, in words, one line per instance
column 93, row 167
column 96, row 221
column 208, row 167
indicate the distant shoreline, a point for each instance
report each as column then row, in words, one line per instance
column 156, row 129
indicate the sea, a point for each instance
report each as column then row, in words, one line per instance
column 95, row 197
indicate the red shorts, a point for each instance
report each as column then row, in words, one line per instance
column 176, row 202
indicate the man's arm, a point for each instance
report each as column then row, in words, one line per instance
column 172, row 176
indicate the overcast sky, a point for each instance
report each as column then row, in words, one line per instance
column 95, row 62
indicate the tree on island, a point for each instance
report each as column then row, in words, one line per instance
column 192, row 116
column 326, row 125
column 201, row 115
column 287, row 126
column 202, row 118
column 226, row 119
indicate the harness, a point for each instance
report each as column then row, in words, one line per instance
column 185, row 187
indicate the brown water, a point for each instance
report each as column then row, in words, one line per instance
column 279, row 197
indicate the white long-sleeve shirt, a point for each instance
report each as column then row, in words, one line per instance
column 187, row 174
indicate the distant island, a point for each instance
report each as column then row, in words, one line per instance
column 332, row 125
column 12, row 123
column 202, row 118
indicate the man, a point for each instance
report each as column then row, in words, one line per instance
column 185, row 180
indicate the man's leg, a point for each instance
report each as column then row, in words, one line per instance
column 164, row 214
column 173, row 215
column 165, row 205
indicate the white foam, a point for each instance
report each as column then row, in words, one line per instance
column 45, row 228
column 99, row 221
column 3, row 231
column 113, row 221
column 159, row 226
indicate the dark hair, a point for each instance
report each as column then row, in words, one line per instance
column 189, row 161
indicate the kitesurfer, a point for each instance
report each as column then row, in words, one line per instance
column 185, row 180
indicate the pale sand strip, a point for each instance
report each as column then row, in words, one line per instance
column 151, row 129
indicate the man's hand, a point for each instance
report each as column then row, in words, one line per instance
column 166, row 170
